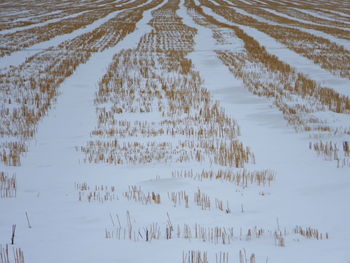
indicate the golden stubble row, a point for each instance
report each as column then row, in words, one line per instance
column 29, row 90
column 329, row 19
column 243, row 178
column 296, row 16
column 26, row 38
column 321, row 51
column 15, row 15
column 151, row 108
column 296, row 96
column 157, row 79
column 8, row 185
column 215, row 235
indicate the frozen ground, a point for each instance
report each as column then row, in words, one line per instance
column 17, row 58
column 308, row 191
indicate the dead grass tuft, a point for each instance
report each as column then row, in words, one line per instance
column 8, row 185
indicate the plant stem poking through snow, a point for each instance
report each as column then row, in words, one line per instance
column 13, row 234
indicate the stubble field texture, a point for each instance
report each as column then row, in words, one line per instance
column 178, row 131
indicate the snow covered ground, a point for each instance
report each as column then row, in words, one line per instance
column 68, row 210
column 292, row 58
column 17, row 58
column 39, row 24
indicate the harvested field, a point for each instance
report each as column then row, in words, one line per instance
column 174, row 131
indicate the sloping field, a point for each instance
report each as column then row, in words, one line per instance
column 188, row 131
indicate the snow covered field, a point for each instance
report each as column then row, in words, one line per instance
column 175, row 131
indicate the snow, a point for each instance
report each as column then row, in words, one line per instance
column 345, row 17
column 341, row 42
column 28, row 18
column 12, row 30
column 301, row 177
column 308, row 191
column 322, row 16
column 298, row 62
column 338, row 41
column 17, row 58
column 302, row 20
column 51, row 203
